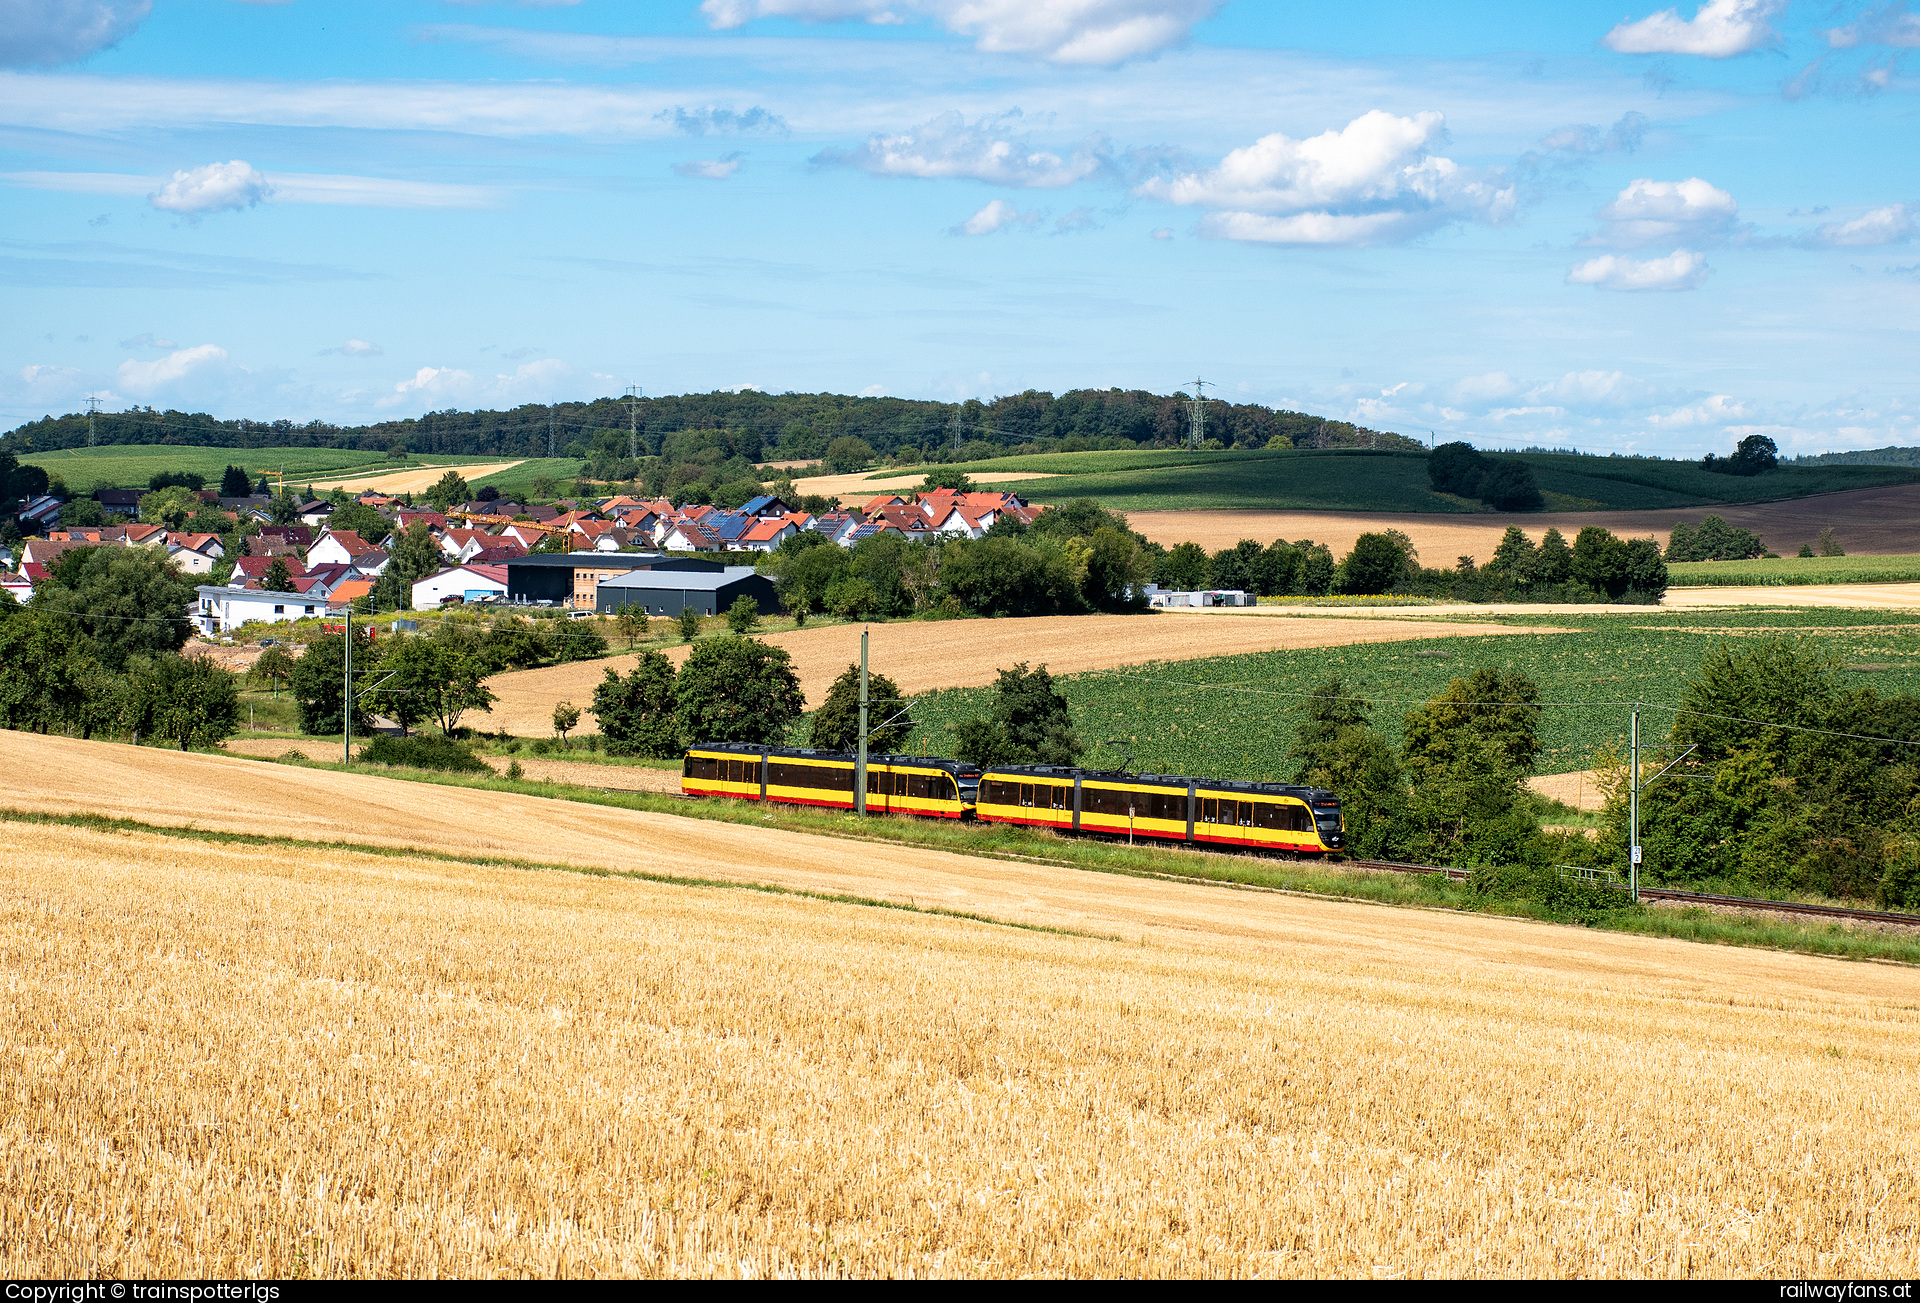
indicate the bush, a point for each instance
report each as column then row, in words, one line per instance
column 1549, row 891
column 437, row 753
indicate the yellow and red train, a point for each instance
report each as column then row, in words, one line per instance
column 1278, row 817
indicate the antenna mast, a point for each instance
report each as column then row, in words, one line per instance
column 633, row 422
column 1198, row 411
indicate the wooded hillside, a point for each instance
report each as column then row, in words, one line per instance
column 776, row 425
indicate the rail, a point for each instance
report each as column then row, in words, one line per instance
column 1686, row 897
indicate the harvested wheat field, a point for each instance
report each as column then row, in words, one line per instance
column 924, row 654
column 418, row 480
column 246, row 1060
column 1882, row 521
column 862, row 487
column 535, row 769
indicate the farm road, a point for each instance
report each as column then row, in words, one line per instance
column 858, row 489
column 1875, row 522
column 223, row 793
column 921, row 655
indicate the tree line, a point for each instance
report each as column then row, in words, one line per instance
column 797, row 425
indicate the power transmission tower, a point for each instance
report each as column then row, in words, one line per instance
column 633, row 422
column 1198, row 412
column 956, row 428
column 93, row 409
column 550, row 420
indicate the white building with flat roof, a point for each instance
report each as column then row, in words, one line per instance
column 222, row 609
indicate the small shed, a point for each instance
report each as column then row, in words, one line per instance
column 668, row 592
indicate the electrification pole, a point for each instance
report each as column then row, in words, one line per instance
column 860, row 764
column 633, row 422
column 1633, row 807
column 1198, row 413
column 346, row 711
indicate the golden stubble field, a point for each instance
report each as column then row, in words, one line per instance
column 920, row 655
column 282, row 1061
column 418, row 480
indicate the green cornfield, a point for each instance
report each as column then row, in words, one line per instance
column 1235, row 716
column 1786, row 571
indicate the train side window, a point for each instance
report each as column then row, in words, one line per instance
column 686, row 767
column 1227, row 813
column 917, row 785
column 1062, row 797
column 1209, row 810
column 1026, row 795
column 945, row 788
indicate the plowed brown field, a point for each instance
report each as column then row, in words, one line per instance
column 1882, row 522
column 275, row 1061
column 920, row 655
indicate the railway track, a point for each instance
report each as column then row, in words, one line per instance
column 1686, row 897
column 1646, row 893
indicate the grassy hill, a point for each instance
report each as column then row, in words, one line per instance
column 1358, row 480
column 132, row 465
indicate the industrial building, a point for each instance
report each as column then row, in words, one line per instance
column 570, row 578
column 668, row 592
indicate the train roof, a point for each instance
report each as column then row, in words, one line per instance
column 1163, row 780
column 955, row 767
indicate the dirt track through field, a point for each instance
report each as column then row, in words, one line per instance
column 1879, row 522
column 418, row 480
column 229, row 1060
column 921, row 655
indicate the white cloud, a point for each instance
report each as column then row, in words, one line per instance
column 1668, row 212
column 146, row 377
column 1888, row 25
column 280, row 188
column 1162, row 232
column 710, row 169
column 1682, row 269
column 532, row 382
column 1594, row 389
column 356, row 348
column 720, row 121
column 1372, row 182
column 1102, row 32
column 1477, row 389
column 1719, row 29
column 1892, row 224
column 1717, row 410
column 376, row 192
column 216, row 187
column 147, row 341
column 1625, row 136
column 46, row 32
column 994, row 216
column 987, row 150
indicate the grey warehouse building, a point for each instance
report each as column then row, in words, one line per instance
column 549, row 576
column 668, row 592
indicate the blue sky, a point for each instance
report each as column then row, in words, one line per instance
column 1616, row 228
